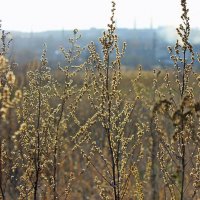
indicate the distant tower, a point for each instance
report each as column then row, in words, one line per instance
column 135, row 24
column 62, row 35
column 154, row 47
column 151, row 23
column 31, row 36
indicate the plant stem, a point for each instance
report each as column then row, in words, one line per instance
column 37, row 152
column 154, row 171
column 108, row 129
column 1, row 187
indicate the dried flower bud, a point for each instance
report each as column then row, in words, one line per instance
column 10, row 77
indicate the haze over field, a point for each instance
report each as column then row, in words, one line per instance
column 29, row 15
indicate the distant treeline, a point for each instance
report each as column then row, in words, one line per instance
column 144, row 46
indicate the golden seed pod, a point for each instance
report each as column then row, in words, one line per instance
column 198, row 78
column 3, row 62
column 6, row 92
column 10, row 78
column 18, row 94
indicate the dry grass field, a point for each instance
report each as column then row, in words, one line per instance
column 98, row 130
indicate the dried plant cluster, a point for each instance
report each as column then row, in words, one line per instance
column 176, row 119
column 80, row 133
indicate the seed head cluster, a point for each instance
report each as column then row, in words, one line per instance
column 87, row 131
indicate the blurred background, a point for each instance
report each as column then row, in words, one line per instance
column 148, row 27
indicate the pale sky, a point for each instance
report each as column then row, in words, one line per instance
column 41, row 15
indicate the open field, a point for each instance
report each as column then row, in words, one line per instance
column 98, row 130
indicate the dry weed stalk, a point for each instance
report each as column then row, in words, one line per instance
column 46, row 114
column 176, row 118
column 105, row 139
column 9, row 98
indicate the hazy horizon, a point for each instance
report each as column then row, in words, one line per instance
column 39, row 16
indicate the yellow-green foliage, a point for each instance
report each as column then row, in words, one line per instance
column 99, row 131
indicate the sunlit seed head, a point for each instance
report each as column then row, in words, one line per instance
column 10, row 77
column 18, row 94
